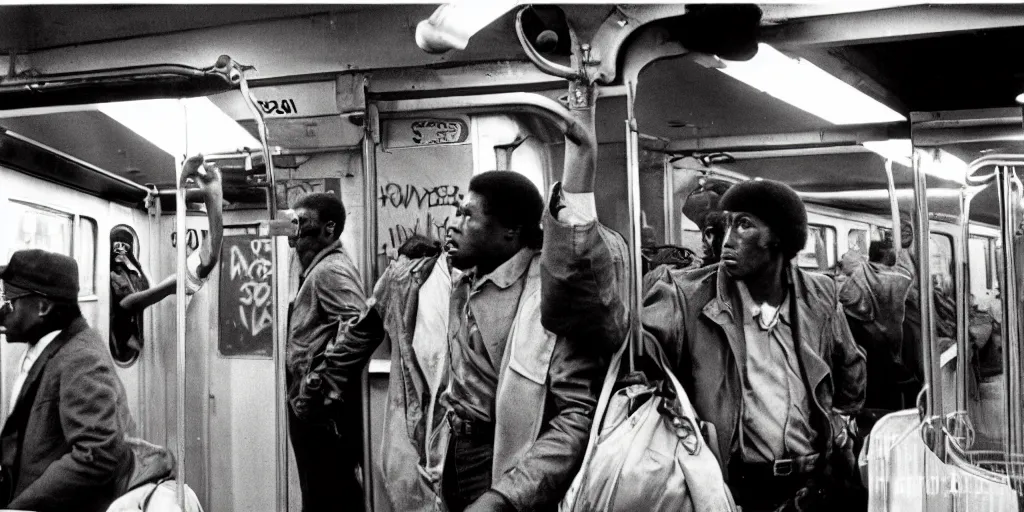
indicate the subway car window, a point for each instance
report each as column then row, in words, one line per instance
column 39, row 227
column 85, row 254
column 819, row 253
column 857, row 240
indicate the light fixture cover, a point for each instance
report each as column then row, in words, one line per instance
column 807, row 87
column 181, row 126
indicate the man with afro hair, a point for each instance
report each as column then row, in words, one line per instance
column 765, row 353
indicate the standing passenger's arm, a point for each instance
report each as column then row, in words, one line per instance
column 583, row 264
column 212, row 193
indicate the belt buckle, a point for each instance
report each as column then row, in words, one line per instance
column 782, row 467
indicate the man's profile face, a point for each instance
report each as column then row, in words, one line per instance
column 475, row 235
column 311, row 235
column 747, row 247
column 19, row 316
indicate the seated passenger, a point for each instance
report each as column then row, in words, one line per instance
column 64, row 444
column 518, row 400
column 764, row 351
column 129, row 298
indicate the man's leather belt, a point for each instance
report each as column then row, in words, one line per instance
column 471, row 428
column 797, row 466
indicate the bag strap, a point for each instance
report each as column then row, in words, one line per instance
column 149, row 495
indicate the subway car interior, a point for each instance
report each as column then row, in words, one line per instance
column 891, row 120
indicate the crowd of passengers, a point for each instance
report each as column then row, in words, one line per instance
column 501, row 342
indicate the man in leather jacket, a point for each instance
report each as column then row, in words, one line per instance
column 763, row 349
column 514, row 400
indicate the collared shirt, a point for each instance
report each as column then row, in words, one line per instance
column 27, row 361
column 331, row 292
column 776, row 403
column 481, row 315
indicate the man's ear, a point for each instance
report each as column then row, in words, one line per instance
column 512, row 234
column 45, row 307
column 330, row 226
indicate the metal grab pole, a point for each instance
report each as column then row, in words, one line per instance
column 280, row 348
column 636, row 257
column 1011, row 317
column 894, row 209
column 931, row 371
column 963, row 283
column 180, row 303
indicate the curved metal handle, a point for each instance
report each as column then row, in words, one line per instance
column 539, row 60
column 975, row 178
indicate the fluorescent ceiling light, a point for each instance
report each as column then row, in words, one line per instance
column 935, row 162
column 452, row 24
column 180, row 127
column 807, row 87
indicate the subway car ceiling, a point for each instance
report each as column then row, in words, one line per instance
column 915, row 58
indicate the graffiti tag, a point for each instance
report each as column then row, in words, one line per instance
column 254, row 293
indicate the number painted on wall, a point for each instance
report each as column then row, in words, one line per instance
column 279, row 107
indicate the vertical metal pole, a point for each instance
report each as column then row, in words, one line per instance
column 933, row 388
column 180, row 303
column 280, row 342
column 1011, row 317
column 633, row 189
column 370, row 266
column 671, row 235
column 894, row 210
column 962, row 292
column 922, row 240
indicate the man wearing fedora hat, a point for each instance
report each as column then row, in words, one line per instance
column 63, row 444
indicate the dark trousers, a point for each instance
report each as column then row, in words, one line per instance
column 467, row 469
column 755, row 491
column 327, row 467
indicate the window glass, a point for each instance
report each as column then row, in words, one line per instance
column 980, row 267
column 986, row 385
column 820, row 251
column 38, row 227
column 85, row 254
column 857, row 241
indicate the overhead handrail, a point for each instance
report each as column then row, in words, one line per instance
column 511, row 102
column 974, row 178
column 118, row 84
